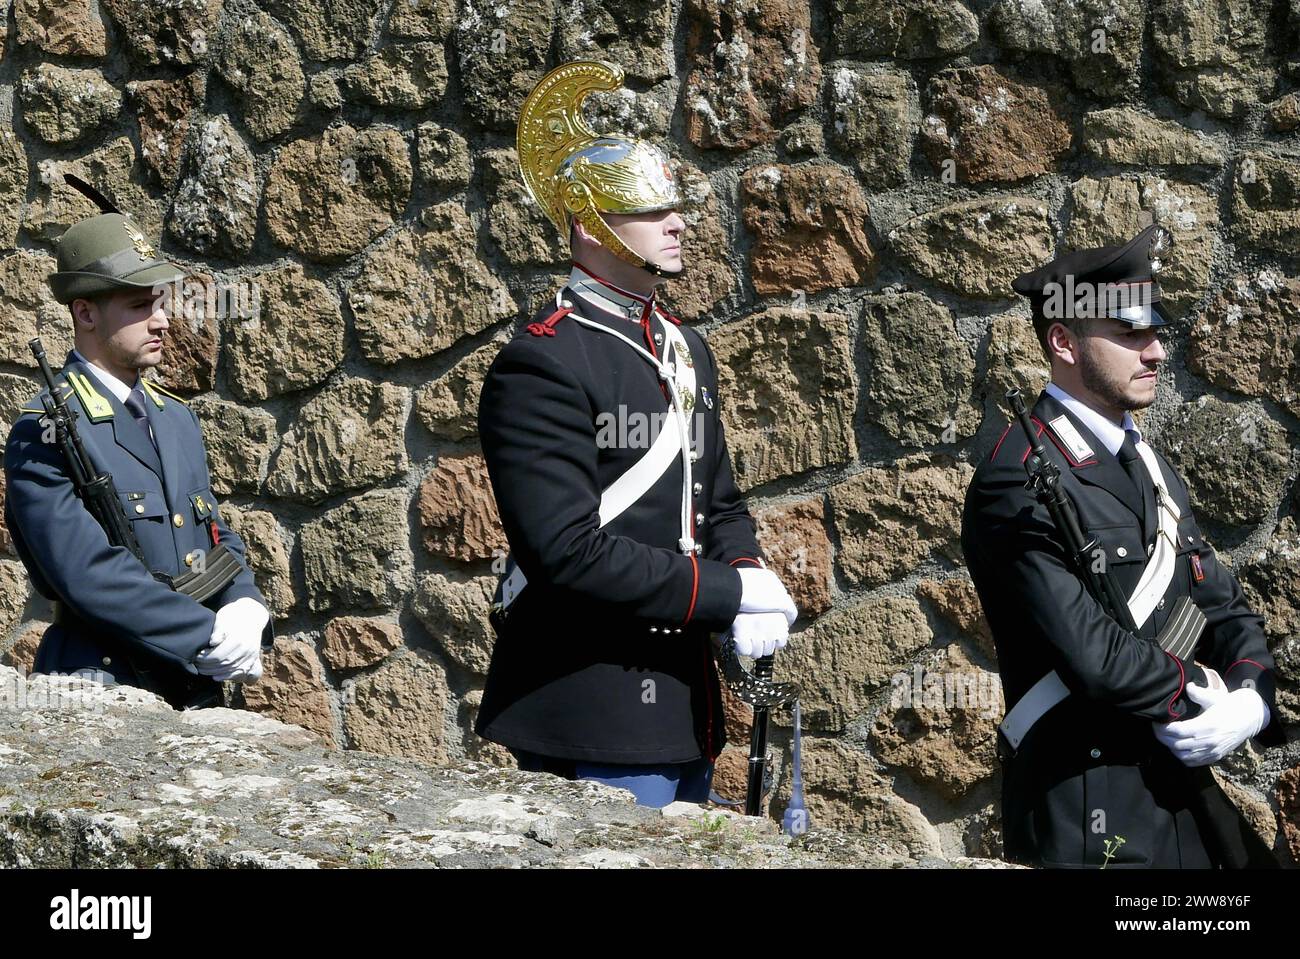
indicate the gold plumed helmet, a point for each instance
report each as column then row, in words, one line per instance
column 573, row 172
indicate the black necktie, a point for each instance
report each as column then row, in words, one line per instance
column 135, row 403
column 1131, row 460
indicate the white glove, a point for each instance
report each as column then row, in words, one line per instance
column 759, row 634
column 761, row 591
column 234, row 652
column 1227, row 720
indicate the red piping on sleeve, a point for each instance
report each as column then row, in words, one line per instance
column 745, row 559
column 1182, row 681
column 1240, row 661
column 695, row 589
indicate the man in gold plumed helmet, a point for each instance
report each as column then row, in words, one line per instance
column 600, row 191
column 630, row 544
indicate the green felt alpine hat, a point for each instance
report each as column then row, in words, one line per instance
column 105, row 253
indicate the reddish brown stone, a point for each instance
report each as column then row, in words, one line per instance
column 22, row 653
column 989, row 127
column 355, row 641
column 737, row 716
column 798, row 550
column 1246, row 339
column 458, row 514
column 891, row 519
column 753, row 66
column 162, row 110
column 1287, row 793
column 191, row 343
column 293, row 689
column 67, row 27
column 731, row 773
column 809, row 224
column 957, row 602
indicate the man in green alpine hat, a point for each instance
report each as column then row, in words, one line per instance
column 116, row 618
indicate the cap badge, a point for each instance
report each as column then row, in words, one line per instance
column 1161, row 243
column 138, row 241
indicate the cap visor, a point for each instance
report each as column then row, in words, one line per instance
column 1142, row 315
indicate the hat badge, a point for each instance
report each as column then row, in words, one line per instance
column 138, row 240
column 1161, row 243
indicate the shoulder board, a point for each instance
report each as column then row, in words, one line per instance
column 546, row 327
column 67, row 391
column 98, row 409
column 153, row 388
column 1068, row 440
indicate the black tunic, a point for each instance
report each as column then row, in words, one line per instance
column 1091, row 768
column 577, row 671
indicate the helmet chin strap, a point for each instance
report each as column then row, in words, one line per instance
column 660, row 271
column 601, row 232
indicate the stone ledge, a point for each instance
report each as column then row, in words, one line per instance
column 111, row 777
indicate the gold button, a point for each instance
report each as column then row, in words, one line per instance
column 139, row 508
column 178, row 519
column 189, row 559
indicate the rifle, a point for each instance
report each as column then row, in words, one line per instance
column 211, row 572
column 1220, row 822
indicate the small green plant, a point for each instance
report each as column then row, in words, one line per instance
column 1112, row 847
column 711, row 824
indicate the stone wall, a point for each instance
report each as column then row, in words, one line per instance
column 864, row 179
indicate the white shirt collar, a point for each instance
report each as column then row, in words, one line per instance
column 1111, row 436
column 109, row 381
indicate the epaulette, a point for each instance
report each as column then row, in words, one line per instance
column 1067, row 439
column 1062, row 435
column 67, row 386
column 153, row 388
column 546, row 327
column 668, row 316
